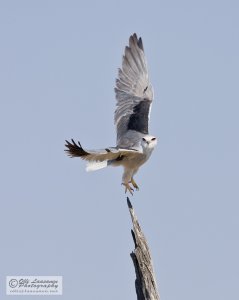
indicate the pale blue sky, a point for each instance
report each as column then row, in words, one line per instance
column 58, row 63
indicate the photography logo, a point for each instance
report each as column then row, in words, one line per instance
column 34, row 285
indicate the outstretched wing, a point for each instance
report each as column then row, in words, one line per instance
column 106, row 154
column 134, row 93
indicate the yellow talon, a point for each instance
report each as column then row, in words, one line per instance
column 134, row 184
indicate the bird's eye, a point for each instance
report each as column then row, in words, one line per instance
column 153, row 139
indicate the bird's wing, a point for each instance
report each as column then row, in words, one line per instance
column 134, row 92
column 106, row 154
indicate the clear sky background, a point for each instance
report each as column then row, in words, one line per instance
column 58, row 63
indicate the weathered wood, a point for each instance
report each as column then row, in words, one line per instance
column 145, row 283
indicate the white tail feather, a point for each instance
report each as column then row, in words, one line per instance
column 95, row 165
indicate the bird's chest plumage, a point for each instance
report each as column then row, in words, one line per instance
column 136, row 161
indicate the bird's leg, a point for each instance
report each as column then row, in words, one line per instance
column 128, row 188
column 134, row 184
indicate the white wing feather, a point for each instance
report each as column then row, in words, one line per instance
column 95, row 165
column 133, row 89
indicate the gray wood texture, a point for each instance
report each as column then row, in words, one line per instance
column 145, row 283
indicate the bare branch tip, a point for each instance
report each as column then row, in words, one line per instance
column 129, row 203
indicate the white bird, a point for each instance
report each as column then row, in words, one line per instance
column 134, row 96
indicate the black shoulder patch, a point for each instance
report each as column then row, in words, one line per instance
column 139, row 120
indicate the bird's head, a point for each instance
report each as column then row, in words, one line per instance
column 149, row 141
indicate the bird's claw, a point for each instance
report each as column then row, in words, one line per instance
column 128, row 188
column 134, row 184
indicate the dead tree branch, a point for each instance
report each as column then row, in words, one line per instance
column 145, row 283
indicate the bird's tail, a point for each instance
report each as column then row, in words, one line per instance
column 96, row 165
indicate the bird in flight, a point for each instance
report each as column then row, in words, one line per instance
column 134, row 96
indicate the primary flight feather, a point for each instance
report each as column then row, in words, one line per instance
column 134, row 96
